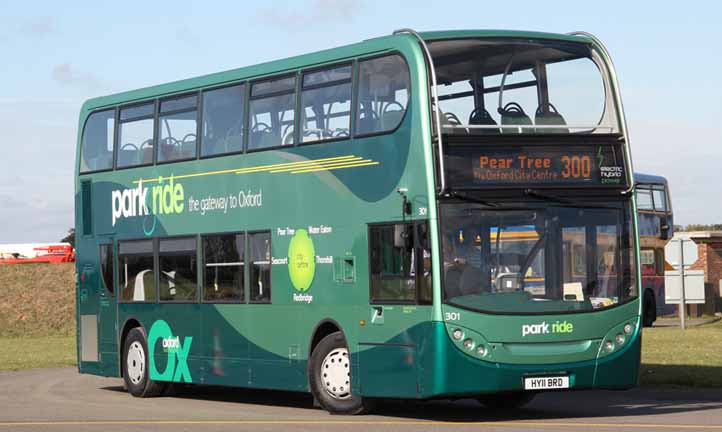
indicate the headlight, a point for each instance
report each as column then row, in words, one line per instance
column 619, row 339
column 628, row 328
column 609, row 346
column 469, row 344
column 458, row 334
column 481, row 350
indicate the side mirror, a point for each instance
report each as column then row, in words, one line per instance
column 664, row 228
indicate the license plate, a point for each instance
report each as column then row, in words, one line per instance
column 545, row 383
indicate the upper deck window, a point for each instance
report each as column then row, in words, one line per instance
column 272, row 113
column 136, row 136
column 492, row 86
column 383, row 94
column 326, row 104
column 222, row 127
column 97, row 150
column 651, row 198
column 177, row 128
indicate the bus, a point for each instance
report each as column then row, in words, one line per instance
column 656, row 227
column 310, row 224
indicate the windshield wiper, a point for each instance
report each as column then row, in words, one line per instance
column 465, row 197
column 561, row 200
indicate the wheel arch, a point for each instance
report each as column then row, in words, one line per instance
column 129, row 324
column 324, row 328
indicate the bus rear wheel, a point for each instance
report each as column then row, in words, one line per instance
column 329, row 374
column 506, row 401
column 135, row 366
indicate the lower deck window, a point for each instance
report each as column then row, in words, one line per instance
column 137, row 278
column 178, row 269
column 223, row 267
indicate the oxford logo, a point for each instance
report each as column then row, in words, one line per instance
column 176, row 368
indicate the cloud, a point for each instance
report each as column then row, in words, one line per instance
column 317, row 13
column 64, row 74
column 39, row 27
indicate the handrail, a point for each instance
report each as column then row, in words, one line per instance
column 435, row 104
column 618, row 98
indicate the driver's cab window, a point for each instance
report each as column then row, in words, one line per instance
column 400, row 263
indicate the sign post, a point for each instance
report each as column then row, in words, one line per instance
column 681, row 253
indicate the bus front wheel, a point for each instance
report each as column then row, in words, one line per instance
column 649, row 309
column 506, row 401
column 329, row 374
column 135, row 366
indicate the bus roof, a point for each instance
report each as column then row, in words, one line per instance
column 640, row 178
column 368, row 46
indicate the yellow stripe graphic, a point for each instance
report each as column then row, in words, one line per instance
column 337, row 166
column 312, row 165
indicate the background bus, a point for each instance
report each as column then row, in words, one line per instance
column 656, row 227
column 295, row 225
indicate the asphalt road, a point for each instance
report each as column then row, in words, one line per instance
column 63, row 400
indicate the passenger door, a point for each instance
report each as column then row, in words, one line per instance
column 399, row 310
column 107, row 307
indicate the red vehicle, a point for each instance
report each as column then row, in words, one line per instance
column 43, row 253
column 656, row 227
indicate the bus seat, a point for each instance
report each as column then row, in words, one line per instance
column 549, row 116
column 127, row 157
column 391, row 119
column 481, row 117
column 452, row 282
column 450, row 119
column 264, row 139
column 147, row 155
column 513, row 115
column 188, row 149
column 470, row 281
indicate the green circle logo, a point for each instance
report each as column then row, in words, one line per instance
column 301, row 260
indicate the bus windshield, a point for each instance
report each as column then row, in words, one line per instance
column 543, row 260
column 501, row 86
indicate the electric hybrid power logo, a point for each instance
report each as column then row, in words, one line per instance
column 544, row 328
column 176, row 368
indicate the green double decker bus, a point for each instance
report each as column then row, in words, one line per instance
column 421, row 215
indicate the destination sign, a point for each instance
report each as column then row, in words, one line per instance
column 472, row 166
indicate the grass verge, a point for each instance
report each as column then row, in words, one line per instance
column 36, row 352
column 691, row 358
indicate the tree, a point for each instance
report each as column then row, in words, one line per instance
column 70, row 238
column 701, row 227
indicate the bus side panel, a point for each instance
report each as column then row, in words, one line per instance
column 223, row 349
column 172, row 332
column 400, row 360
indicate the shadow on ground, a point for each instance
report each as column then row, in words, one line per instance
column 554, row 405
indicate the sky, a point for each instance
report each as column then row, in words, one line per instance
column 57, row 54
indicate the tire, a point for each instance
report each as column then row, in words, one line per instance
column 135, row 365
column 329, row 377
column 649, row 310
column 506, row 401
